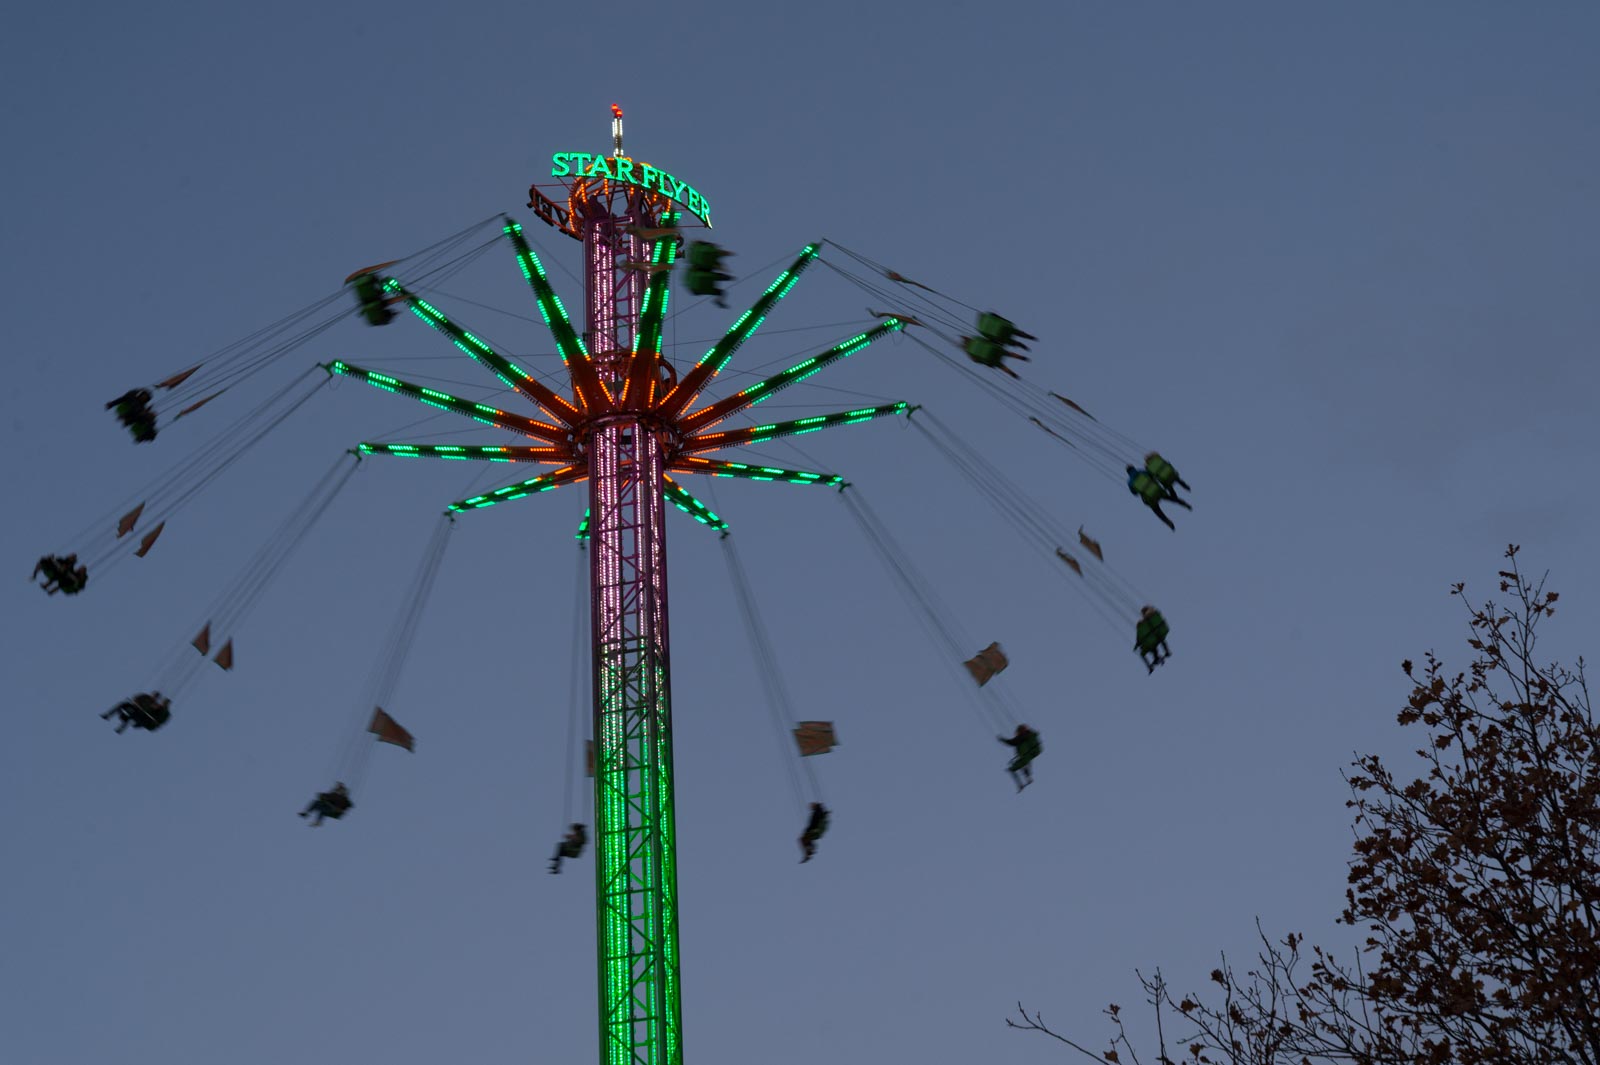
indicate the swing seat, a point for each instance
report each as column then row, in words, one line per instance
column 815, row 737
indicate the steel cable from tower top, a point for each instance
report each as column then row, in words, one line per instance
column 994, row 706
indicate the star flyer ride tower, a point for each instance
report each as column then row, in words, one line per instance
column 628, row 426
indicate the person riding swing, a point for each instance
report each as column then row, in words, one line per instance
column 986, row 352
column 1028, row 747
column 571, row 846
column 1151, row 491
column 147, row 710
column 1002, row 331
column 816, row 825
column 329, row 804
column 1150, row 638
column 1166, row 475
column 133, row 411
column 62, row 574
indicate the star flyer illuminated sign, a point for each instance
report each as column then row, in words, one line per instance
column 632, row 172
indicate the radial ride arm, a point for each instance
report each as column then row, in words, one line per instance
column 717, row 468
column 512, row 375
column 757, row 393
column 680, row 497
column 712, row 362
column 459, row 451
column 759, row 433
column 500, row 419
column 585, row 379
column 542, row 483
column 643, row 376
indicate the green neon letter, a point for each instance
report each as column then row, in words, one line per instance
column 559, row 166
column 677, row 188
column 625, row 170
column 579, row 161
column 650, row 175
column 693, row 203
column 600, row 167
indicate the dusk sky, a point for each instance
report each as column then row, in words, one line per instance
column 1337, row 261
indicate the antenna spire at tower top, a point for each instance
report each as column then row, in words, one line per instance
column 616, row 129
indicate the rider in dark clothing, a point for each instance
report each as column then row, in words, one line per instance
column 329, row 804
column 147, row 710
column 62, row 574
column 1150, row 638
column 1028, row 747
column 1163, row 471
column 571, row 846
column 1144, row 485
column 816, row 825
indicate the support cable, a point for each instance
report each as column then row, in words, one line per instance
column 231, row 607
column 1104, row 588
column 901, row 292
column 574, row 752
column 236, row 361
column 1100, row 455
column 765, row 658
column 165, row 496
column 1102, row 447
column 994, row 706
column 352, row 763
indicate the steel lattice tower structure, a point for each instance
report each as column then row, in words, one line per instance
column 628, row 426
column 636, row 877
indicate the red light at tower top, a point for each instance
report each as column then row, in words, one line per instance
column 616, row 112
column 616, row 129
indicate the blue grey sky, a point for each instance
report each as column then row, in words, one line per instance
column 1337, row 261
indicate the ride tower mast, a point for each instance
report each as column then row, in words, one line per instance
column 629, row 424
column 636, row 880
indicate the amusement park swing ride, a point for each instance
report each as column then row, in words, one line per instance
column 632, row 427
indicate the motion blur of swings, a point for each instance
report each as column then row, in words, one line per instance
column 705, row 276
column 62, row 573
column 810, row 737
column 998, row 339
column 577, row 835
column 133, row 411
column 571, row 845
column 332, row 804
column 367, row 286
column 147, row 710
column 1150, row 638
column 994, row 706
column 816, row 826
column 377, row 726
column 1025, row 741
